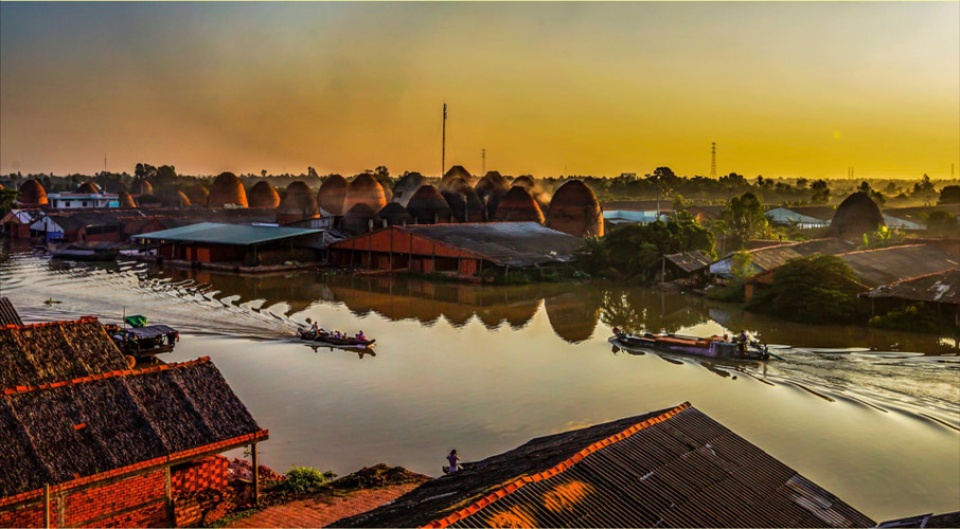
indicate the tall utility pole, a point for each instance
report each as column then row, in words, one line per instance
column 850, row 172
column 104, row 163
column 483, row 162
column 713, row 160
column 443, row 145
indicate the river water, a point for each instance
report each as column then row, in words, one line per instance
column 872, row 416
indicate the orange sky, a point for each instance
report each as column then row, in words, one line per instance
column 785, row 89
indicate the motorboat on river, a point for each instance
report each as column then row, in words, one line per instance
column 328, row 338
column 714, row 347
column 141, row 340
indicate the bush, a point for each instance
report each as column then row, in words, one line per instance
column 912, row 318
column 816, row 289
column 304, row 479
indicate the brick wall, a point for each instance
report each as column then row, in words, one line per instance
column 140, row 499
column 207, row 473
column 95, row 503
column 29, row 516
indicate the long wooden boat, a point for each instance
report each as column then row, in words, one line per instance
column 713, row 347
column 84, row 254
column 329, row 339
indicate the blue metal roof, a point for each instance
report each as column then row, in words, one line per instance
column 232, row 234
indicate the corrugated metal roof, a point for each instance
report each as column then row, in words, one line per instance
column 673, row 468
column 8, row 314
column 219, row 233
column 902, row 224
column 504, row 243
column 940, row 287
column 689, row 261
column 896, row 263
column 786, row 216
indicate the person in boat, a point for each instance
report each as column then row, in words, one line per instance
column 454, row 461
column 360, row 336
column 742, row 343
column 314, row 328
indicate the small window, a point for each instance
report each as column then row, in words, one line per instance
column 84, row 203
column 66, row 204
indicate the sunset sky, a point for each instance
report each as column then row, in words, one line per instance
column 785, row 89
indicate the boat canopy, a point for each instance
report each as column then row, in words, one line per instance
column 136, row 320
column 151, row 331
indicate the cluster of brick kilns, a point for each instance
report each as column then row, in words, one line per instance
column 365, row 202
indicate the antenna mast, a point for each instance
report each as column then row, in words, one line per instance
column 713, row 160
column 443, row 145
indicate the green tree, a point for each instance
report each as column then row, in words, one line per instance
column 744, row 219
column 924, row 188
column 7, row 198
column 943, row 223
column 814, row 289
column 949, row 195
column 821, row 192
column 634, row 251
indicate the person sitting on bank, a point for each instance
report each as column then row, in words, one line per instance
column 454, row 461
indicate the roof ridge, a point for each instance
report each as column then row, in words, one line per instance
column 868, row 250
column 109, row 374
column 921, row 276
column 516, row 484
column 56, row 323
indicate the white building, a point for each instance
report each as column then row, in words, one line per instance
column 787, row 217
column 83, row 200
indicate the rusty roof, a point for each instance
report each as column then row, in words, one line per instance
column 671, row 468
column 70, row 407
column 46, row 352
column 897, row 263
column 939, row 287
column 690, row 261
column 53, row 433
column 518, row 244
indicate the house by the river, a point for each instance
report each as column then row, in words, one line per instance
column 89, row 442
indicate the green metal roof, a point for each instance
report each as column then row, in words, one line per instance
column 218, row 233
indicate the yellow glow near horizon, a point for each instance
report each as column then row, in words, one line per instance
column 785, row 89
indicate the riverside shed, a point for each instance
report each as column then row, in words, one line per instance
column 212, row 242
column 88, row 442
column 671, row 468
column 462, row 249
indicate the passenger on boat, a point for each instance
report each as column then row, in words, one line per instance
column 454, row 461
column 361, row 337
column 314, row 328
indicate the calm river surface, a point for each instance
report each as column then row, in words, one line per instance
column 872, row 416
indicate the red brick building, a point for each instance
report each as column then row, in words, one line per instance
column 88, row 442
column 465, row 250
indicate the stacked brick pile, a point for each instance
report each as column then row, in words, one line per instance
column 208, row 473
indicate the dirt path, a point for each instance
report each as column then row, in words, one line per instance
column 323, row 510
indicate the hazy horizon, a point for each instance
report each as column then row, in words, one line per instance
column 785, row 89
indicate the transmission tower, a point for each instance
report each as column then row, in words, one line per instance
column 850, row 172
column 713, row 160
column 483, row 161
